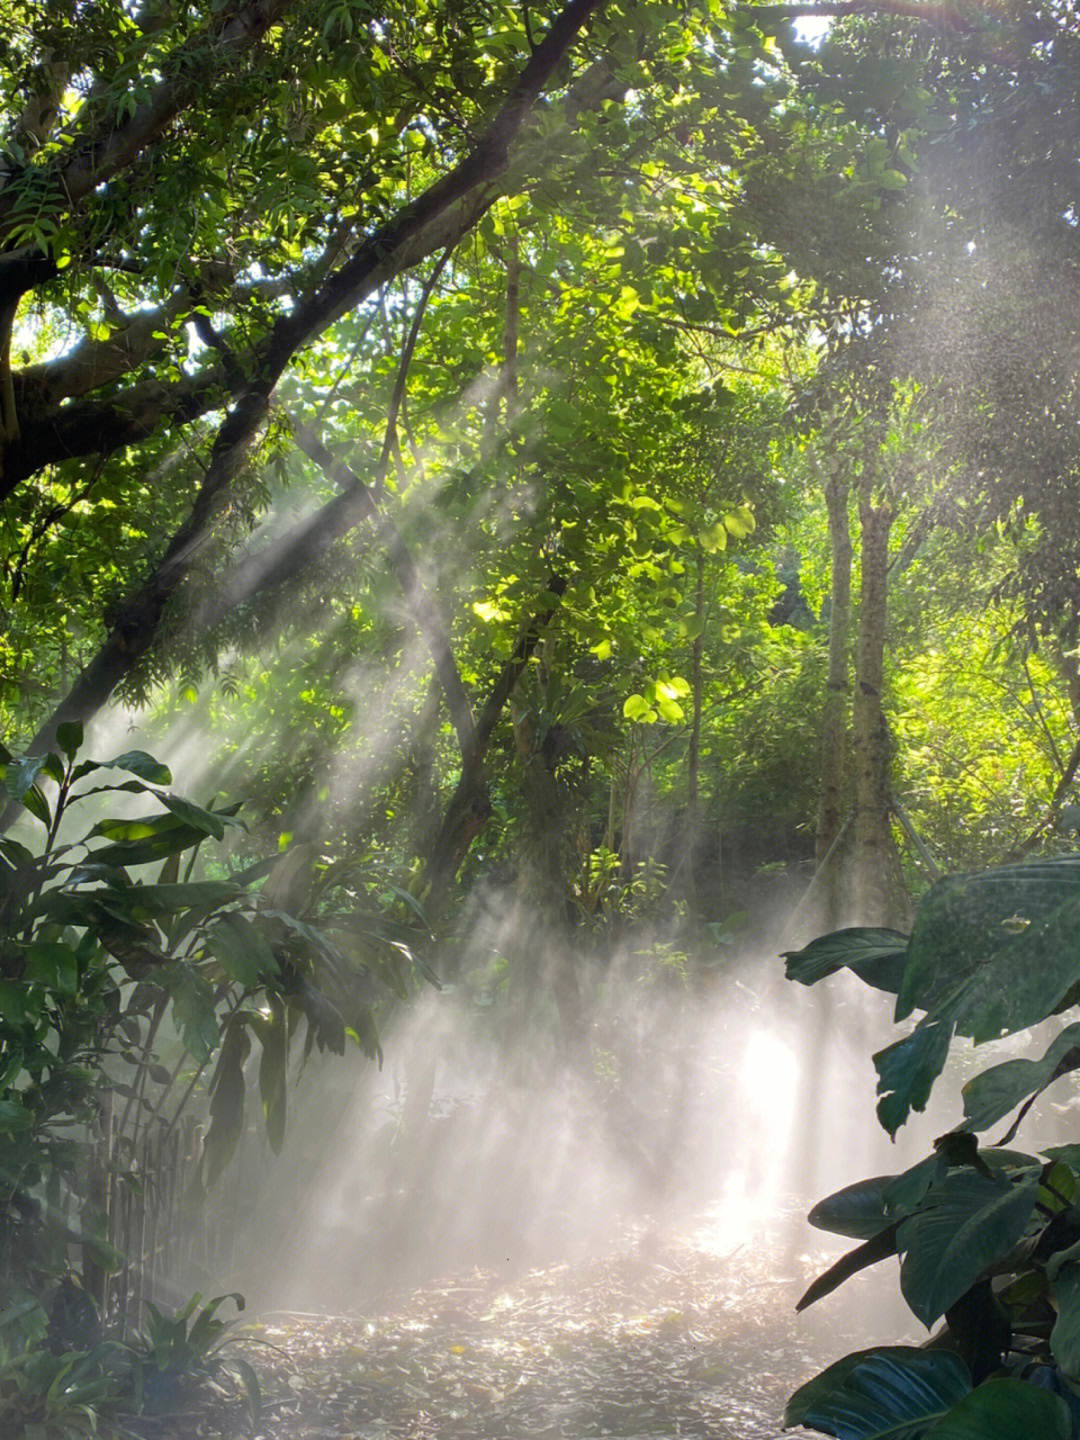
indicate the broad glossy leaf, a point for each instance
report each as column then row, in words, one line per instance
column 966, row 1223
column 907, row 1071
column 998, row 947
column 894, row 1392
column 858, row 1210
column 1000, row 1089
column 1006, row 1410
column 879, row 1247
column 876, row 955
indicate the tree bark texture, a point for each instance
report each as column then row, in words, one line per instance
column 878, row 896
column 835, row 710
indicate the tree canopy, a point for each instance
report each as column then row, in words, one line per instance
column 567, row 470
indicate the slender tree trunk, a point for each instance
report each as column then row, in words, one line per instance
column 543, row 957
column 878, row 894
column 693, row 759
column 835, row 716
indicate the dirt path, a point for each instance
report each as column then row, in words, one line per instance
column 663, row 1340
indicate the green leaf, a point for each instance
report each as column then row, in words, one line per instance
column 880, row 1246
column 1065, row 1336
column 227, row 1099
column 149, row 901
column 69, row 737
column 241, row 950
column 324, row 1019
column 195, row 816
column 998, row 1090
column 137, row 762
column 20, row 778
column 907, row 1071
column 968, row 1221
column 638, row 709
column 53, row 965
column 876, row 955
column 14, row 1117
column 1006, row 1410
column 859, row 1211
column 194, row 1011
column 998, row 948
column 143, row 842
column 250, row 1382
column 894, row 1392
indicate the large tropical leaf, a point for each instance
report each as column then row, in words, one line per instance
column 877, row 956
column 859, row 1210
column 907, row 1071
column 996, row 1091
column 996, row 951
column 878, row 1247
column 895, row 1392
column 967, row 1222
column 1006, row 1410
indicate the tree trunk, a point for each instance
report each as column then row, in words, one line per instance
column 542, row 956
column 834, row 716
column 878, row 894
column 693, row 759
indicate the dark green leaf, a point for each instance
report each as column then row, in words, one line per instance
column 967, row 1221
column 69, row 736
column 858, row 1210
column 194, row 1010
column 894, row 1392
column 241, row 950
column 53, row 965
column 143, row 765
column 1006, row 1410
column 996, row 1091
column 878, row 1247
column 145, row 902
column 324, row 1019
column 196, row 816
column 907, row 1071
column 1065, row 1336
column 998, row 946
column 14, row 1117
column 877, row 956
column 227, row 1099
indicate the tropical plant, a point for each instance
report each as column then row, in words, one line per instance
column 129, row 1009
column 988, row 1237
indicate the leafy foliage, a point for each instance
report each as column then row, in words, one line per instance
column 986, row 1236
column 123, row 1002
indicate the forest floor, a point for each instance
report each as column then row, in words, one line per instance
column 663, row 1339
